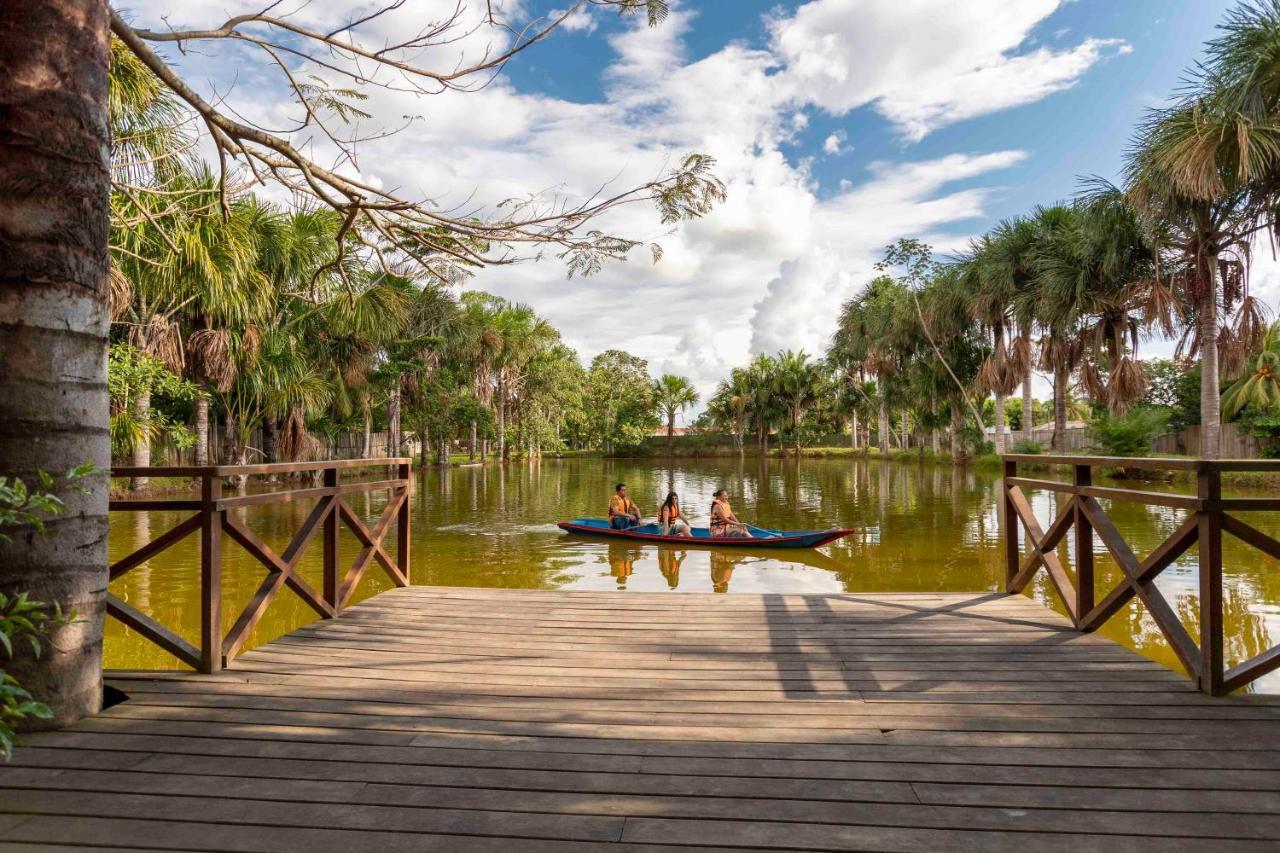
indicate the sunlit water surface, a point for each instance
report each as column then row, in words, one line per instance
column 918, row 528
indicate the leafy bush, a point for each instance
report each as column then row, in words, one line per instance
column 1132, row 434
column 22, row 620
column 1026, row 445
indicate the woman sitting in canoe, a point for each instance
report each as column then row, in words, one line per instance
column 671, row 520
column 723, row 522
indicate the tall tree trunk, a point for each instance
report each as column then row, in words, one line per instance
column 671, row 432
column 202, row 429
column 1028, row 408
column 393, row 422
column 53, row 327
column 1059, row 406
column 999, row 418
column 935, row 441
column 367, row 450
column 271, row 439
column 1210, row 401
column 425, row 459
column 142, row 453
column 853, row 431
column 471, row 450
column 502, row 421
column 883, row 437
column 230, row 433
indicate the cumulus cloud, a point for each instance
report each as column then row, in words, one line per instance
column 926, row 64
column 768, row 268
column 834, row 143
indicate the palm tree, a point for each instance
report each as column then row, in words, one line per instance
column 797, row 382
column 54, row 170
column 673, row 394
column 523, row 334
column 1259, row 386
column 1203, row 204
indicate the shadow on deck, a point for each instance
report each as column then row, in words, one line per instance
column 466, row 719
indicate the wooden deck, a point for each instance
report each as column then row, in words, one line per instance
column 431, row 719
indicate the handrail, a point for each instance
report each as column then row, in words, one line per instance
column 213, row 519
column 1148, row 463
column 1208, row 516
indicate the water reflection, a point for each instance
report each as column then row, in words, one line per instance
column 917, row 528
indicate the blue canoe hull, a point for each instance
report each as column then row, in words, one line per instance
column 760, row 537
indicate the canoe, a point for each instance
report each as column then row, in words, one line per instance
column 760, row 537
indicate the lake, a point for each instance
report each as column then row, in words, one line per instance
column 919, row 528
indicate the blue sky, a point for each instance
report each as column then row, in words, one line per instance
column 839, row 126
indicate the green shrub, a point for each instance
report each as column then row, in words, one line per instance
column 1132, row 434
column 1026, row 445
column 22, row 620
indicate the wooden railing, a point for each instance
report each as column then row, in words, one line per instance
column 213, row 518
column 1208, row 515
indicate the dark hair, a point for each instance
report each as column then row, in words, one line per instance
column 619, row 487
column 717, row 493
column 672, row 499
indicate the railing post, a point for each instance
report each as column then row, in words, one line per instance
column 210, row 573
column 402, row 525
column 1012, row 547
column 329, row 538
column 1209, row 522
column 1084, row 547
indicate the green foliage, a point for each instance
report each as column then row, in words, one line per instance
column 620, row 401
column 24, row 622
column 1131, row 434
column 1028, row 446
column 1175, row 388
column 133, row 376
column 21, row 506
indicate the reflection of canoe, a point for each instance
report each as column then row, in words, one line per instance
column 760, row 537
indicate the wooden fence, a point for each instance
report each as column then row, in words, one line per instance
column 212, row 518
column 1208, row 516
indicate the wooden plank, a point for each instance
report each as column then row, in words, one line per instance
column 855, row 721
column 166, row 639
column 1166, row 618
column 155, row 546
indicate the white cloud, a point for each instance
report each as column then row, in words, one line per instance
column 769, row 267
column 926, row 64
column 834, row 143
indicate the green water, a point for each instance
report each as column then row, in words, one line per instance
column 919, row 528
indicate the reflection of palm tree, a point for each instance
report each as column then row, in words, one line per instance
column 722, row 566
column 622, row 562
column 669, row 560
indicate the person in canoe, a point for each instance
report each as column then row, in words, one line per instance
column 623, row 512
column 724, row 524
column 671, row 521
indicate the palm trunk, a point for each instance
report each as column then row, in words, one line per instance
column 202, row 430
column 1028, row 408
column 471, row 451
column 999, row 418
column 393, row 422
column 502, row 421
column 1059, row 406
column 425, row 459
column 1210, row 402
column 671, row 432
column 142, row 453
column 53, row 328
column 368, row 436
column 883, row 436
column 270, row 439
column 853, row 431
column 230, row 433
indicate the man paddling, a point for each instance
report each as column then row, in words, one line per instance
column 623, row 512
